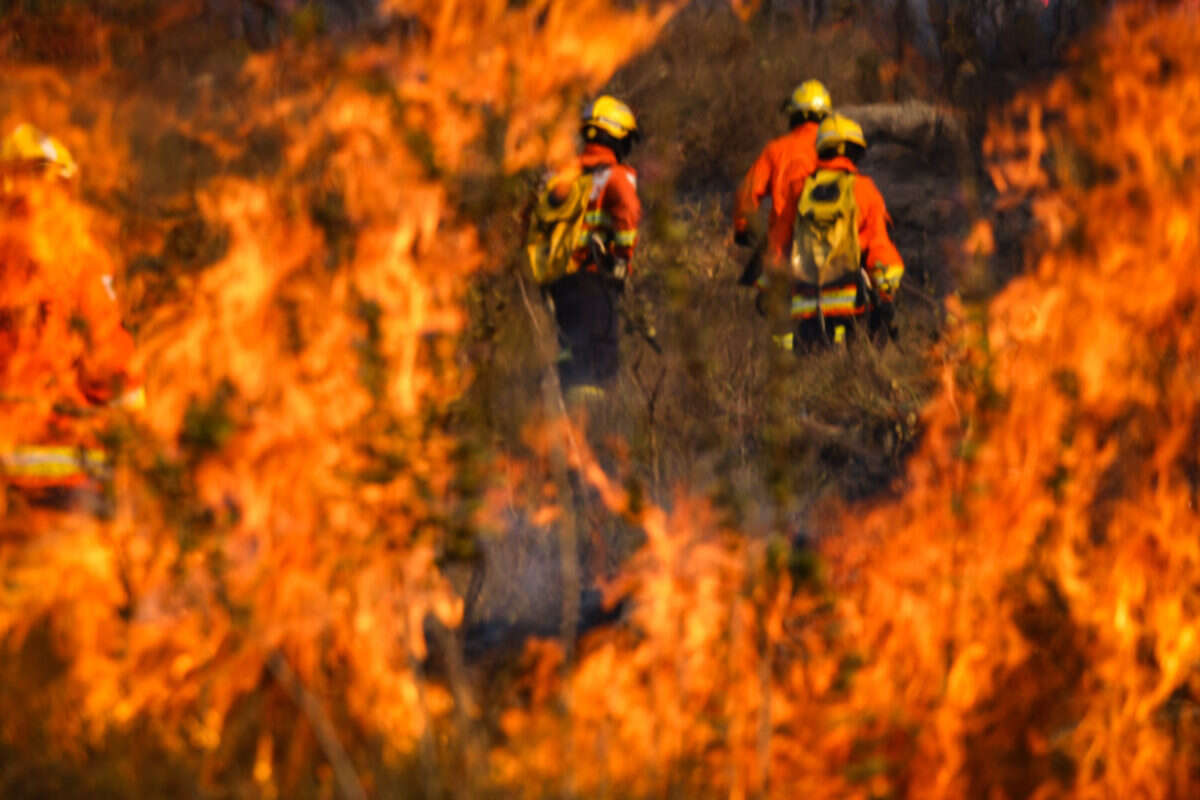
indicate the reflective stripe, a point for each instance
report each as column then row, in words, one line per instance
column 52, row 461
column 841, row 301
column 598, row 218
column 599, row 181
column 616, row 124
column 584, row 392
column 625, row 238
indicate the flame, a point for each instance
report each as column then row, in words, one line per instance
column 1021, row 622
column 279, row 498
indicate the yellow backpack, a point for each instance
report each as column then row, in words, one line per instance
column 556, row 229
column 825, row 237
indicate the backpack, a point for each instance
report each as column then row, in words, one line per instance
column 556, row 229
column 825, row 236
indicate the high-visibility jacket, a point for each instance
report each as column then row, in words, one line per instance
column 785, row 159
column 613, row 208
column 879, row 255
column 64, row 356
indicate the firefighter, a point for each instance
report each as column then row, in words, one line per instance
column 867, row 292
column 793, row 154
column 586, row 300
column 65, row 358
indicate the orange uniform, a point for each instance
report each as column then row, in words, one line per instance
column 613, row 209
column 784, row 160
column 587, row 299
column 880, row 256
column 64, row 354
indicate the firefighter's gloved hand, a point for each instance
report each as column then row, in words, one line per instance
column 620, row 270
column 886, row 278
column 883, row 319
column 743, row 238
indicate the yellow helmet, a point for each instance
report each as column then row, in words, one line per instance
column 810, row 96
column 28, row 145
column 610, row 115
column 838, row 130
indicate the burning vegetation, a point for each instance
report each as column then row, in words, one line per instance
column 266, row 603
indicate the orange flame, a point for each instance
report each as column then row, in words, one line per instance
column 280, row 496
column 1021, row 623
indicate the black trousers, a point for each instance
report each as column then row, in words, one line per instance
column 809, row 335
column 877, row 324
column 585, row 308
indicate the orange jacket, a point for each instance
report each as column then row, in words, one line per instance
column 789, row 158
column 613, row 209
column 879, row 255
column 64, row 355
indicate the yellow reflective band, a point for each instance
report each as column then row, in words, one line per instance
column 584, row 393
column 784, row 340
column 598, row 218
column 625, row 238
column 839, row 334
column 47, row 461
column 839, row 301
column 614, row 123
